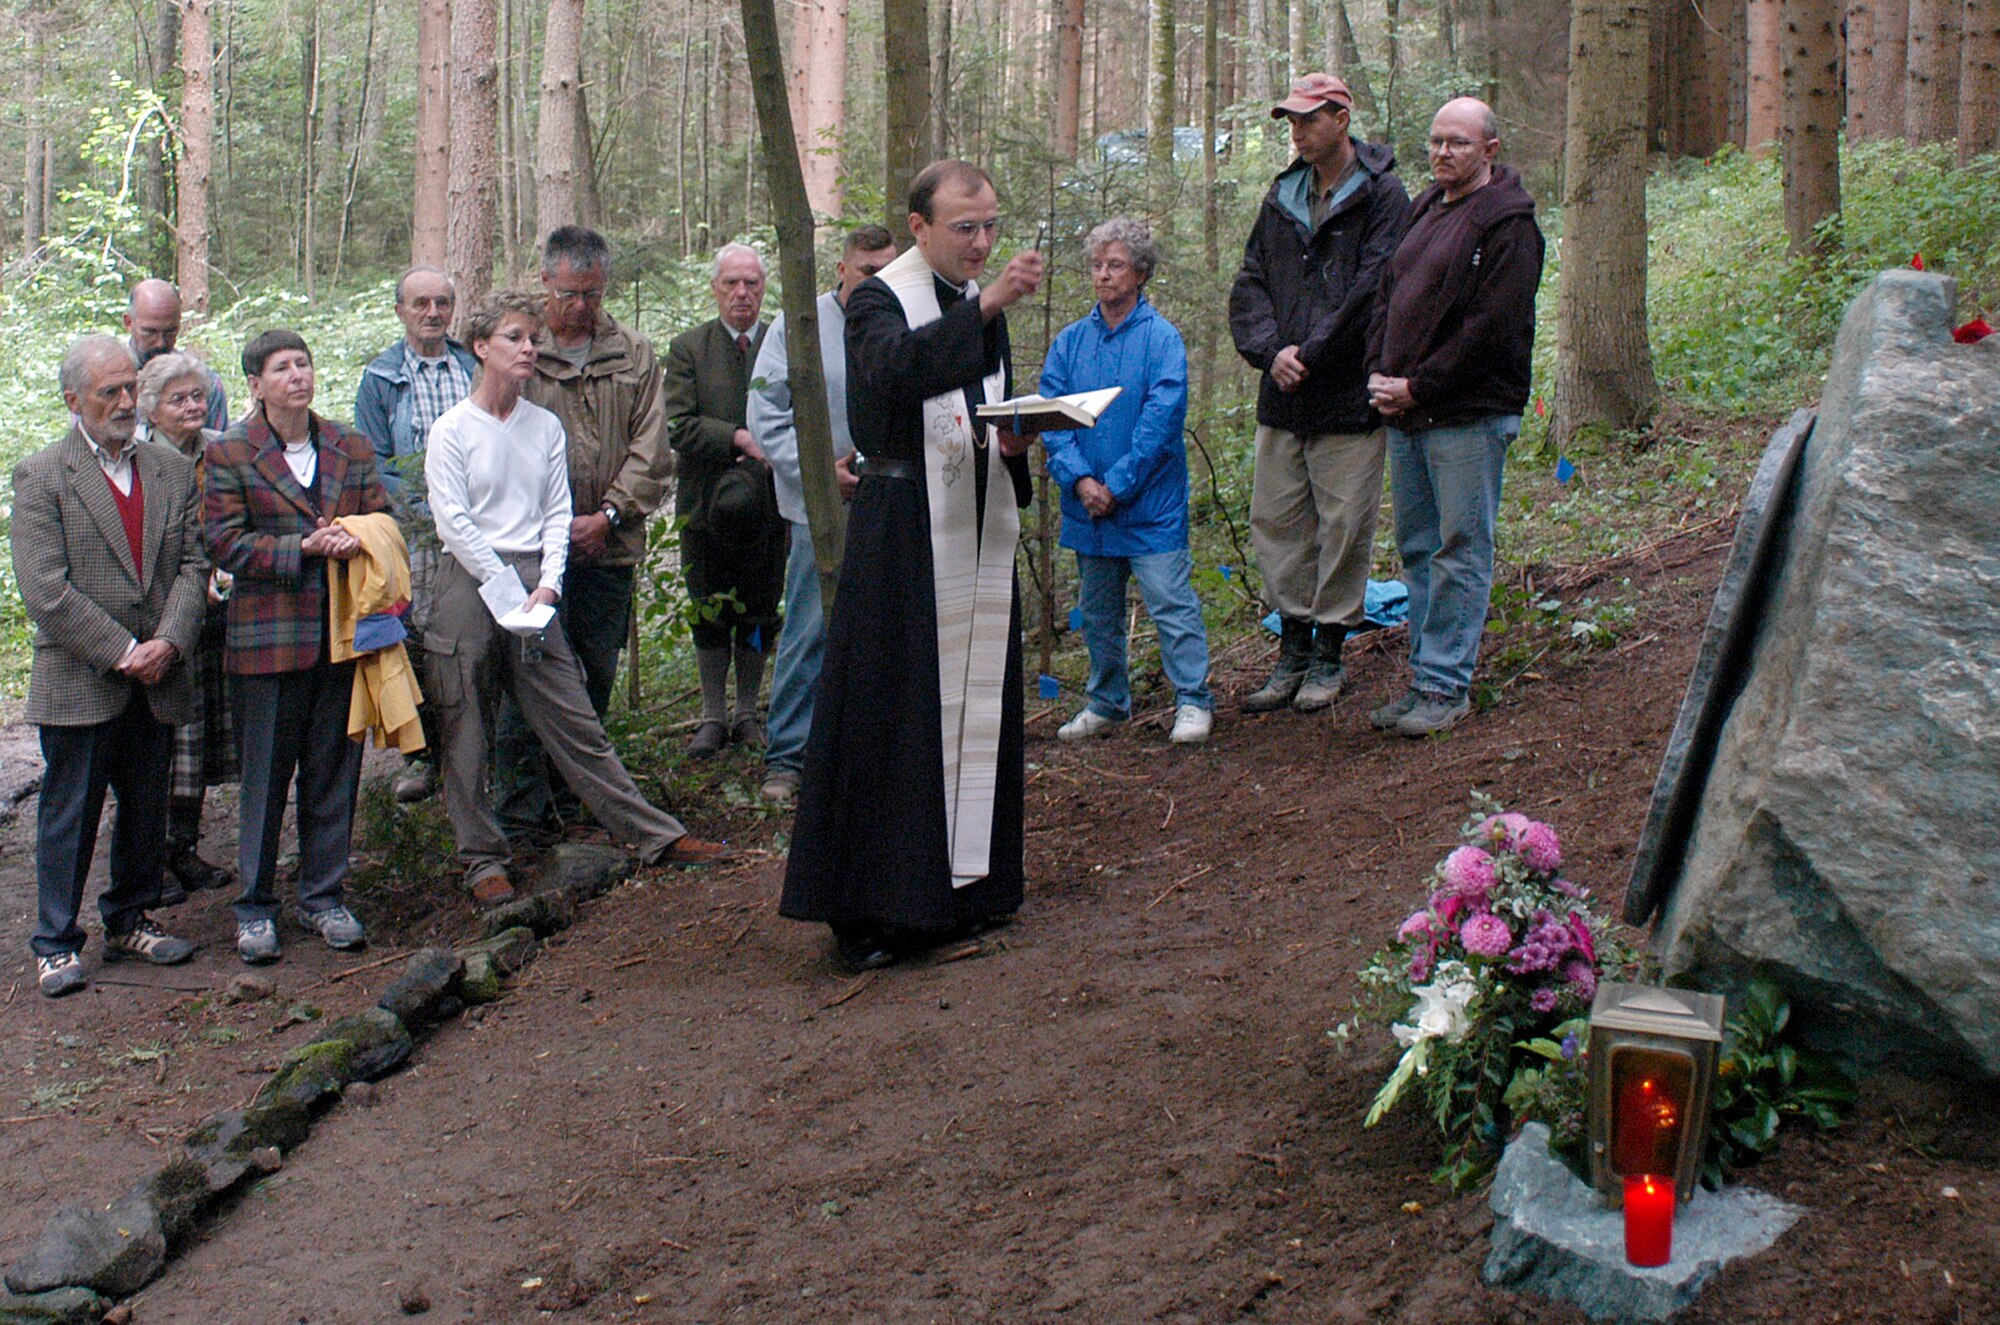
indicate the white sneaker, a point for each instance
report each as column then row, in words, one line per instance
column 1191, row 725
column 1086, row 723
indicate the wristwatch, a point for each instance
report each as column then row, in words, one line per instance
column 611, row 513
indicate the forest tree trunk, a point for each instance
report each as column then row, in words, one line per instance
column 1069, row 79
column 1350, row 66
column 824, row 102
column 555, row 130
column 1812, row 120
column 1764, row 113
column 794, row 219
column 34, row 213
column 163, row 54
column 1860, row 76
column 1930, row 106
column 906, row 40
column 1889, row 74
column 433, row 164
column 1160, row 113
column 197, row 153
column 474, row 116
column 1979, row 81
column 1604, row 363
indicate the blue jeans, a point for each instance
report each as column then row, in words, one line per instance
column 1446, row 486
column 596, row 614
column 801, row 646
column 1165, row 588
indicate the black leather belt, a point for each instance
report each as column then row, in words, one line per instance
column 875, row 466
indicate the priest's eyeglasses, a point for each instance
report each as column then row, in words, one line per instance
column 967, row 229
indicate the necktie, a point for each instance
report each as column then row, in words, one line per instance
column 743, row 342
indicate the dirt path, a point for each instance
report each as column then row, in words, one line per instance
column 1124, row 1109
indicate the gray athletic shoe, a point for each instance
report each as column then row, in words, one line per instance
column 60, row 974
column 1386, row 717
column 1433, row 713
column 337, row 925
column 257, row 942
column 147, row 942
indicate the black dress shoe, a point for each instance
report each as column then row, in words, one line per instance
column 864, row 948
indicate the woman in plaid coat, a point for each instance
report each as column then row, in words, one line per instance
column 277, row 481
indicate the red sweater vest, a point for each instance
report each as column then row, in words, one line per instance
column 132, row 512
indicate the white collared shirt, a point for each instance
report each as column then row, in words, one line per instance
column 118, row 470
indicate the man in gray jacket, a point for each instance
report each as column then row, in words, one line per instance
column 107, row 552
column 869, row 249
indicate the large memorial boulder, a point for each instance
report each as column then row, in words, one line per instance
column 1845, row 841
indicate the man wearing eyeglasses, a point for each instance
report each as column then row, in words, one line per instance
column 602, row 380
column 909, row 826
column 1299, row 313
column 404, row 390
column 1450, row 355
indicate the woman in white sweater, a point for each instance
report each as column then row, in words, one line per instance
column 496, row 468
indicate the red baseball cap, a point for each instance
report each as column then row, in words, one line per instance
column 1312, row 92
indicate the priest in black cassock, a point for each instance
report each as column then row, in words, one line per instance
column 909, row 821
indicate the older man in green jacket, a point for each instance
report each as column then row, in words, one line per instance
column 733, row 539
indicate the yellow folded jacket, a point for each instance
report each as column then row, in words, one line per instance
column 386, row 694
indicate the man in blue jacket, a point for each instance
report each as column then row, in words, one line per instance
column 402, row 393
column 1299, row 313
column 1125, row 485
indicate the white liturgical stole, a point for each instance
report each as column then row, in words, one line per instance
column 973, row 576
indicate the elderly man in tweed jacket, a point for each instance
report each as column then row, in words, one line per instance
column 107, row 552
column 277, row 481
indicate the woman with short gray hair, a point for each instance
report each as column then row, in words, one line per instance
column 173, row 405
column 1125, row 486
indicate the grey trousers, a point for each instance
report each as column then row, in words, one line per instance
column 1313, row 502
column 472, row 661
column 295, row 724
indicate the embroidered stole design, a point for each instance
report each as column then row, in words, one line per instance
column 973, row 575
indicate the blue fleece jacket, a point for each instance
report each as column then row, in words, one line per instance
column 1137, row 448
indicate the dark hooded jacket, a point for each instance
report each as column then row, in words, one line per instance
column 1316, row 289
column 1457, row 309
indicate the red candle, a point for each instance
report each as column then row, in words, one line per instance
column 1649, row 1220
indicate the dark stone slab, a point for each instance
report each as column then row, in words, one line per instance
column 1720, row 669
column 584, row 870
column 428, row 990
column 115, row 1252
column 64, row 1306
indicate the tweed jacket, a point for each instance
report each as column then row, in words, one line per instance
column 256, row 515
column 610, row 411
column 73, row 564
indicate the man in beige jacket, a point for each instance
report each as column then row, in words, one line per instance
column 602, row 380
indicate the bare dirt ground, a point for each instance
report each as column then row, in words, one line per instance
column 1122, row 1108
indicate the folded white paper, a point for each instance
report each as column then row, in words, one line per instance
column 529, row 618
column 503, row 593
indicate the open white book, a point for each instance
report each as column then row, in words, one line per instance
column 1030, row 414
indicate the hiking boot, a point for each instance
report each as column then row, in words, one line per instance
column 1086, row 723
column 416, row 782
column 192, row 872
column 1192, row 724
column 691, row 850
column 708, row 740
column 149, row 943
column 1386, row 717
column 781, row 786
column 257, row 942
column 1294, row 658
column 1433, row 713
column 337, row 925
column 748, row 730
column 59, row 974
column 1325, row 677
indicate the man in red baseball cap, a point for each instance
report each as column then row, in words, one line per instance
column 1299, row 313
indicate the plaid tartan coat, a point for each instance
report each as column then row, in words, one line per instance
column 256, row 516
column 88, row 601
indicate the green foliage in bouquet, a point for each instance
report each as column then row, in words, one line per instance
column 1481, row 982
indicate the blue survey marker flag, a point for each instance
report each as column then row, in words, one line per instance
column 1050, row 687
column 1565, row 471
